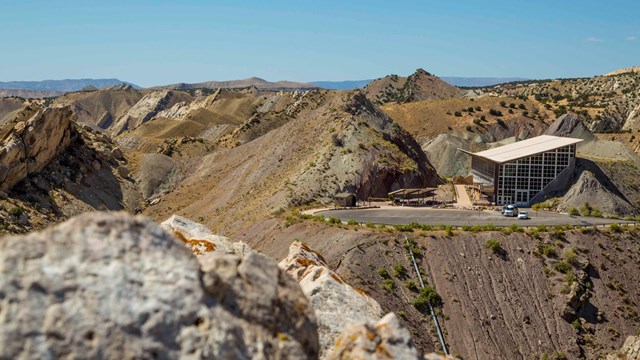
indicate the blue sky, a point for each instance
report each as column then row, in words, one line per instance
column 160, row 42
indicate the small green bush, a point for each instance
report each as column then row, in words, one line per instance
column 353, row 222
column 576, row 324
column 388, row 284
column 494, row 245
column 549, row 250
column 574, row 212
column 427, row 295
column 448, row 230
column 370, row 225
column 615, row 228
column 384, row 273
column 334, row 220
column 399, row 270
column 562, row 266
column 570, row 256
column 411, row 285
column 16, row 211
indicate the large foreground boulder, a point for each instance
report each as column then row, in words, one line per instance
column 106, row 285
column 336, row 303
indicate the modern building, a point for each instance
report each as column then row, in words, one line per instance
column 525, row 172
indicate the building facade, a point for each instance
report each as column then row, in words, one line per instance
column 524, row 172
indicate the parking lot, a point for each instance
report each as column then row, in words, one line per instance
column 428, row 216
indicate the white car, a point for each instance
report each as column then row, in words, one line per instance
column 523, row 215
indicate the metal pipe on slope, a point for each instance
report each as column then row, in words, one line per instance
column 433, row 313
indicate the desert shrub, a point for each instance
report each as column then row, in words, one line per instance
column 495, row 112
column 585, row 209
column 399, row 270
column 353, row 222
column 494, row 245
column 457, row 113
column 570, row 256
column 549, row 250
column 411, row 285
column 576, row 324
column 388, row 284
column 16, row 211
column 503, row 103
column 370, row 224
column 483, row 118
column 478, row 108
column 448, row 230
column 615, row 228
column 334, row 220
column 562, row 266
column 596, row 213
column 384, row 273
column 516, row 228
column 522, row 106
column 427, row 295
column 477, row 121
column 574, row 212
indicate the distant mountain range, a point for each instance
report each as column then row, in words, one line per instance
column 65, row 85
column 253, row 81
column 58, row 87
column 453, row 80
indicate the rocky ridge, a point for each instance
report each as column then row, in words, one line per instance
column 30, row 145
column 335, row 303
column 418, row 86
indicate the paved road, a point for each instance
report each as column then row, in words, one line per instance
column 427, row 216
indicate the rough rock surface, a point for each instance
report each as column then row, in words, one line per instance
column 629, row 351
column 386, row 339
column 200, row 239
column 33, row 143
column 588, row 189
column 570, row 125
column 147, row 108
column 114, row 286
column 335, row 303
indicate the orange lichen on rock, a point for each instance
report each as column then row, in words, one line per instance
column 200, row 247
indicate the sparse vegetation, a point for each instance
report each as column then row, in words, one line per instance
column 16, row 211
column 427, row 295
column 494, row 245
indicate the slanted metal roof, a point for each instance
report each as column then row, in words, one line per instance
column 420, row 191
column 524, row 148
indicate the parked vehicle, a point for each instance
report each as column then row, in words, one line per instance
column 509, row 210
column 523, row 215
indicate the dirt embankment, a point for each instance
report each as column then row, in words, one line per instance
column 517, row 303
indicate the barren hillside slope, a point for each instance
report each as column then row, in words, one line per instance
column 347, row 144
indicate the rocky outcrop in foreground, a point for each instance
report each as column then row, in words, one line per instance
column 115, row 286
column 32, row 144
column 335, row 303
column 386, row 339
column 109, row 285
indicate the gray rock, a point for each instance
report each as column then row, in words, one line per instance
column 117, row 153
column 386, row 339
column 32, row 144
column 336, row 303
column 105, row 285
column 630, row 350
column 123, row 171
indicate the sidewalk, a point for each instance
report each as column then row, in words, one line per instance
column 463, row 201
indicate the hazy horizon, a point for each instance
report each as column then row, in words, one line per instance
column 151, row 43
